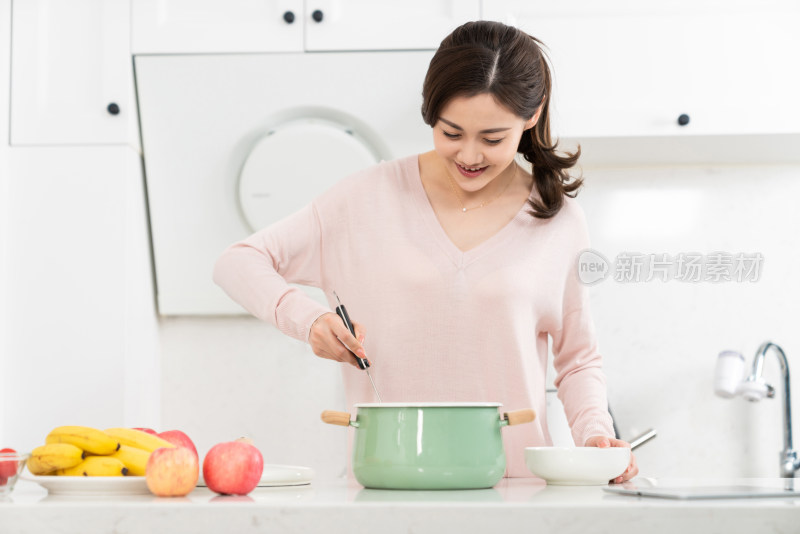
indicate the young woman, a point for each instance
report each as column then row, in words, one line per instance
column 458, row 263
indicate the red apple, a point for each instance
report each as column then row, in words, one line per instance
column 179, row 439
column 148, row 430
column 233, row 468
column 8, row 466
column 172, row 472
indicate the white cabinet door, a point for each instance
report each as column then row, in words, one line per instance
column 384, row 24
column 633, row 68
column 737, row 74
column 207, row 26
column 72, row 76
column 5, row 204
column 81, row 328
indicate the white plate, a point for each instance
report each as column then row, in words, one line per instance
column 279, row 475
column 91, row 486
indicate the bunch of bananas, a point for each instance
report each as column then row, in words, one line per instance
column 86, row 451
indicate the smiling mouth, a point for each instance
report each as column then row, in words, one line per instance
column 470, row 172
column 470, row 169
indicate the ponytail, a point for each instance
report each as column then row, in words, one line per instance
column 550, row 175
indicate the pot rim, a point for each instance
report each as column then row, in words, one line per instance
column 428, row 405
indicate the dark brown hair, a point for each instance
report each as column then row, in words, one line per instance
column 486, row 57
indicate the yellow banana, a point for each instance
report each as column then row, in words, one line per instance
column 134, row 459
column 48, row 458
column 96, row 466
column 138, row 439
column 89, row 439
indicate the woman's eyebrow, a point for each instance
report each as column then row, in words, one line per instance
column 457, row 127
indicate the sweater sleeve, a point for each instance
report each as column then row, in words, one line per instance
column 257, row 272
column 577, row 360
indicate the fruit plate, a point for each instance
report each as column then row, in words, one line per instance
column 279, row 475
column 91, row 486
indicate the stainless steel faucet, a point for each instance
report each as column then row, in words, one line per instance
column 754, row 388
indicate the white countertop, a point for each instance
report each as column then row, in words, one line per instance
column 514, row 505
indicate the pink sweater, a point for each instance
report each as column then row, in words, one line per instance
column 442, row 325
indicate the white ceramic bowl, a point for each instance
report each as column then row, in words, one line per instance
column 578, row 466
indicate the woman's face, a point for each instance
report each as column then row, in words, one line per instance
column 477, row 139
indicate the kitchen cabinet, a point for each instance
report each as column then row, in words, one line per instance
column 78, row 316
column 635, row 69
column 5, row 70
column 384, row 25
column 81, row 324
column 646, row 69
column 71, row 73
column 216, row 26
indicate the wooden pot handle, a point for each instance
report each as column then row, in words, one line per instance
column 519, row 416
column 336, row 418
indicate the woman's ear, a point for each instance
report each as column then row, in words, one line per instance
column 533, row 120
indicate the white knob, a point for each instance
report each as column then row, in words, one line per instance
column 754, row 390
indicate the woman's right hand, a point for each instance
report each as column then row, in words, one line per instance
column 330, row 338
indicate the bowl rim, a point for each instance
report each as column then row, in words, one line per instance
column 19, row 455
column 428, row 405
column 577, row 448
column 572, row 449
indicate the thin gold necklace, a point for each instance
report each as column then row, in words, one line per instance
column 465, row 209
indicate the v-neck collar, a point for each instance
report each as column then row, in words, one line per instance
column 461, row 258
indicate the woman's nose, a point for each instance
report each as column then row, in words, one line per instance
column 470, row 155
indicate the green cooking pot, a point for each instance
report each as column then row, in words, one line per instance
column 428, row 445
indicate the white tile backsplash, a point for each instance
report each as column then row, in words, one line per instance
column 661, row 339
column 226, row 377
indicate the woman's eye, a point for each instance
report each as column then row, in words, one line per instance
column 457, row 136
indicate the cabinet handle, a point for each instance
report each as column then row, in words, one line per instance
column 317, row 15
column 288, row 17
column 113, row 108
column 683, row 119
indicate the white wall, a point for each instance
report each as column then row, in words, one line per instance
column 661, row 339
column 229, row 377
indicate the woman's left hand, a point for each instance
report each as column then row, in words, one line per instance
column 602, row 442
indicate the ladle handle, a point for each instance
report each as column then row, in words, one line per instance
column 640, row 440
column 341, row 311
